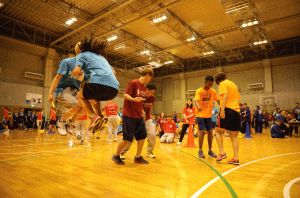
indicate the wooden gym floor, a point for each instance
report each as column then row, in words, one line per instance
column 50, row 165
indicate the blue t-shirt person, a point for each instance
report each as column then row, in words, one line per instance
column 68, row 79
column 258, row 115
column 98, row 69
column 214, row 114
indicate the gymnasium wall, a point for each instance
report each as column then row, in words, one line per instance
column 285, row 81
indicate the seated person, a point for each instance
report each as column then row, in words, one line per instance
column 276, row 131
column 170, row 130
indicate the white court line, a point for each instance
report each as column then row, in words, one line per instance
column 286, row 190
column 44, row 151
column 201, row 190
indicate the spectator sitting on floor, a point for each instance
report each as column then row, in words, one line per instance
column 276, row 131
column 169, row 129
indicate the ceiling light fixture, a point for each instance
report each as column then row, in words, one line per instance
column 74, row 19
column 145, row 52
column 260, row 42
column 168, row 62
column 112, row 38
column 69, row 22
column 1, row 4
column 249, row 23
column 191, row 39
column 208, row 53
column 156, row 20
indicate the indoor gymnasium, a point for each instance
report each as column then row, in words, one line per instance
column 150, row 98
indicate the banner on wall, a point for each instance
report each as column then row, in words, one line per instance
column 33, row 99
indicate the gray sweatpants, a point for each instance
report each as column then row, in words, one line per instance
column 112, row 126
column 150, row 128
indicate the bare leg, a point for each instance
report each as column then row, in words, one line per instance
column 140, row 145
column 210, row 138
column 201, row 138
column 235, row 143
column 71, row 112
column 97, row 106
column 85, row 104
column 78, row 114
column 219, row 137
column 121, row 146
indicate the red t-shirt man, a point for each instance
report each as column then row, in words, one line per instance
column 148, row 105
column 111, row 108
column 134, row 109
column 170, row 126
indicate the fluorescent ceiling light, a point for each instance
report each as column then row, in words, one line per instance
column 255, row 43
column 255, row 22
column 112, row 38
column 265, row 41
column 168, row 62
column 164, row 17
column 159, row 19
column 250, row 23
column 244, row 25
column 74, row 19
column 145, row 52
column 155, row 20
column 69, row 22
column 260, row 42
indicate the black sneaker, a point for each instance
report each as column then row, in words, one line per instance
column 117, row 160
column 140, row 160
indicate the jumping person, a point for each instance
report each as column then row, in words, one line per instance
column 103, row 83
column 204, row 99
column 66, row 86
column 150, row 127
column 229, row 116
column 188, row 114
column 133, row 123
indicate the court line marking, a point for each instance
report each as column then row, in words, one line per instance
column 232, row 192
column 45, row 151
column 201, row 190
column 286, row 190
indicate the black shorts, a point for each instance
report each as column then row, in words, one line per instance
column 52, row 122
column 232, row 120
column 92, row 91
column 134, row 128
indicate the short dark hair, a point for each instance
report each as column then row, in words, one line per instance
column 5, row 107
column 16, row 109
column 241, row 104
column 20, row 108
column 297, row 102
column 92, row 45
column 245, row 103
column 220, row 76
column 151, row 86
column 258, row 107
column 146, row 71
column 209, row 78
column 121, row 108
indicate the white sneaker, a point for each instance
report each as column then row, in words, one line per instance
column 179, row 144
column 62, row 128
column 115, row 139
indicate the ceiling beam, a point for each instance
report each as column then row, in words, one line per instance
column 114, row 9
column 141, row 17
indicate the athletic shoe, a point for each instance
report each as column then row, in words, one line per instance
column 234, row 161
column 179, row 144
column 200, row 154
column 122, row 156
column 94, row 122
column 221, row 156
column 212, row 154
column 115, row 139
column 78, row 137
column 150, row 155
column 81, row 142
column 117, row 160
column 62, row 128
column 140, row 160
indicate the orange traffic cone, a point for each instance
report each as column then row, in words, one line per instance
column 190, row 140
